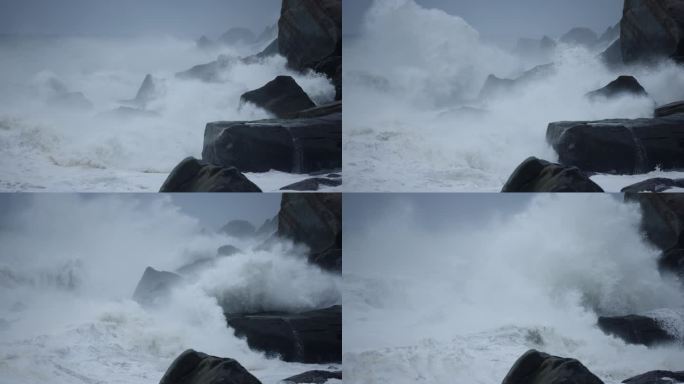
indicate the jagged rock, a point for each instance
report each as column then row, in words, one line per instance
column 239, row 228
column 154, row 285
column 580, row 36
column 623, row 85
column 314, row 219
column 192, row 175
column 280, row 96
column 536, row 175
column 313, row 377
column 635, row 329
column 495, row 85
column 312, row 184
column 291, row 145
column 192, row 367
column 541, row 368
column 238, row 35
column 654, row 185
column 662, row 219
column 670, row 109
column 652, row 29
column 227, row 250
column 657, row 377
column 620, row 146
column 313, row 337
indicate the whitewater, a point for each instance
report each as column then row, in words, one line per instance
column 462, row 301
column 413, row 120
column 50, row 145
column 69, row 265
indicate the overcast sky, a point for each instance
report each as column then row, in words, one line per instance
column 189, row 18
column 512, row 18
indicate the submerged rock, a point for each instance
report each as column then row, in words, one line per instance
column 541, row 368
column 193, row 367
column 623, row 85
column 313, row 337
column 536, row 175
column 657, row 377
column 635, row 329
column 192, row 175
column 652, row 29
column 280, row 96
column 313, row 377
column 154, row 285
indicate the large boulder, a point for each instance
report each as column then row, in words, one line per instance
column 657, row 377
column 623, row 85
column 536, row 367
column 154, row 286
column 313, row 337
column 652, row 29
column 301, row 145
column 669, row 109
column 314, row 219
column 239, row 228
column 192, row 367
column 313, row 377
column 536, row 175
column 280, row 96
column 620, row 146
column 192, row 175
column 636, row 329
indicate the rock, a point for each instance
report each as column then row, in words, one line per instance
column 610, row 35
column 238, row 35
column 294, row 145
column 673, row 261
column 670, row 109
column 662, row 219
column 209, row 72
column 310, row 31
column 314, row 377
column 332, row 67
column 239, row 228
column 192, row 175
column 652, row 29
column 657, row 377
column 154, row 285
column 536, row 175
column 268, row 34
column 193, row 367
column 280, row 97
column 612, row 56
column 635, row 329
column 658, row 184
column 580, row 36
column 269, row 227
column 147, row 91
column 623, row 85
column 313, row 337
column 620, row 146
column 495, row 85
column 312, row 184
column 227, row 250
column 322, row 110
column 314, row 219
column 541, row 368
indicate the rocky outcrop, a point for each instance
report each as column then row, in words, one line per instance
column 623, row 85
column 536, row 175
column 281, row 96
column 147, row 92
column 193, row 175
column 313, row 337
column 313, row 377
column 193, row 367
column 620, row 146
column 652, row 29
column 657, row 377
column 312, row 184
column 541, row 368
column 315, row 220
column 612, row 56
column 154, row 286
column 636, row 329
column 580, row 36
column 657, row 184
column 302, row 145
column 669, row 109
column 239, row 228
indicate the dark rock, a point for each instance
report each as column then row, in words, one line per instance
column 147, row 91
column 294, row 145
column 623, row 85
column 193, row 175
column 652, row 29
column 239, row 228
column 193, row 367
column 269, row 227
column 314, row 219
column 154, row 285
column 536, row 175
column 314, row 377
column 620, row 146
column 312, row 184
column 238, row 35
column 657, row 377
column 673, row 261
column 635, row 329
column 228, row 250
column 313, row 337
column 310, row 31
column 580, row 36
column 280, row 97
column 670, row 109
column 662, row 219
column 270, row 50
column 654, row 185
column 332, row 67
column 541, row 368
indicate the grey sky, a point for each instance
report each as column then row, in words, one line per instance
column 507, row 19
column 190, row 18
